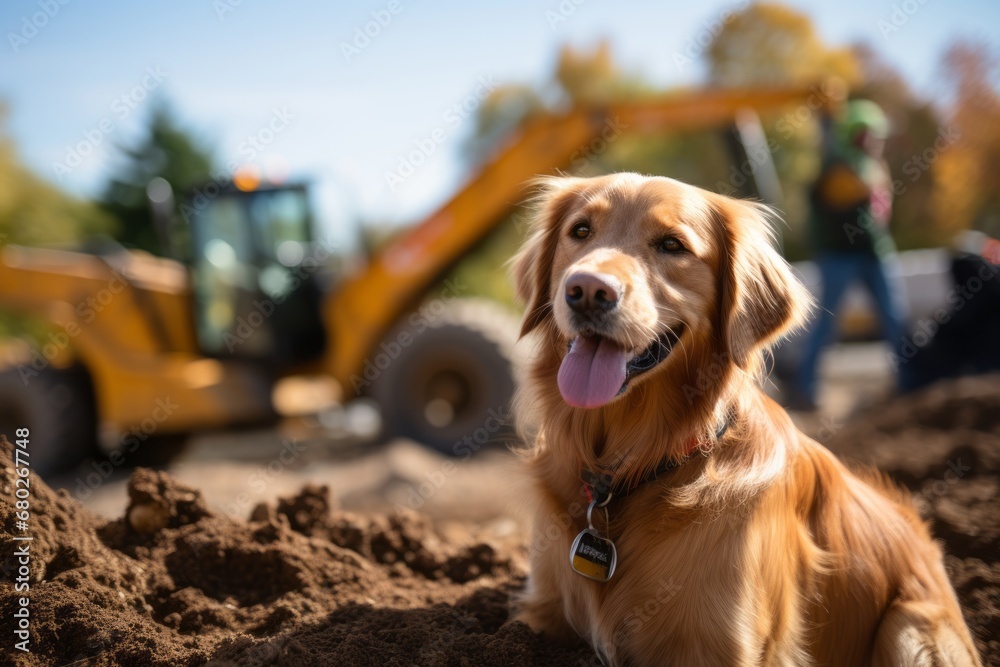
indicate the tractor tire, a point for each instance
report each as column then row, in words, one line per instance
column 58, row 408
column 448, row 380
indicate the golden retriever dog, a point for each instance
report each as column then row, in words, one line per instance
column 717, row 533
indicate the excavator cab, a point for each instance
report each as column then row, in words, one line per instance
column 254, row 281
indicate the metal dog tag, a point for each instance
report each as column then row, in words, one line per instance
column 593, row 556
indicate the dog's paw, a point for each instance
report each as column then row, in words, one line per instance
column 536, row 624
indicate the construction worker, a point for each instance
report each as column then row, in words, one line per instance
column 851, row 204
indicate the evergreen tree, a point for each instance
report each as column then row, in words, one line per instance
column 166, row 150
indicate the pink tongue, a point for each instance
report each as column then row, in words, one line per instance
column 592, row 373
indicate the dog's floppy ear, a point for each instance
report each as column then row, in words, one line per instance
column 532, row 266
column 760, row 298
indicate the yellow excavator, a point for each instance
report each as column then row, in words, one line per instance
column 143, row 347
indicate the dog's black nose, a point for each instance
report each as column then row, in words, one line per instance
column 588, row 293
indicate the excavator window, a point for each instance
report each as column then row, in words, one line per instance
column 254, row 295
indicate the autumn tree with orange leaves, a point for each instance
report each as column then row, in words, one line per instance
column 967, row 174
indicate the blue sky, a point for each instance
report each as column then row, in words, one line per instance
column 237, row 69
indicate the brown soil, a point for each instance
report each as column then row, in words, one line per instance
column 302, row 583
column 299, row 584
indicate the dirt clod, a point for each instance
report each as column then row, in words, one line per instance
column 307, row 511
column 157, row 501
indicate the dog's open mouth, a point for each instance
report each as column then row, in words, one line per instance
column 597, row 369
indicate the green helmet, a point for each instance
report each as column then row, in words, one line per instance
column 864, row 114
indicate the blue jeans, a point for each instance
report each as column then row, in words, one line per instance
column 837, row 271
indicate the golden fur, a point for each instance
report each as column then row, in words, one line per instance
column 762, row 548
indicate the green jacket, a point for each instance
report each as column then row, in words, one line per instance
column 851, row 203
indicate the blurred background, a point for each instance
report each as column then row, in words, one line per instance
column 256, row 244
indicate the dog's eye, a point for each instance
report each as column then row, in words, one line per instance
column 669, row 245
column 581, row 230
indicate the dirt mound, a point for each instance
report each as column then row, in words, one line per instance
column 299, row 583
column 303, row 583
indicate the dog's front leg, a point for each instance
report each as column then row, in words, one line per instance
column 543, row 604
